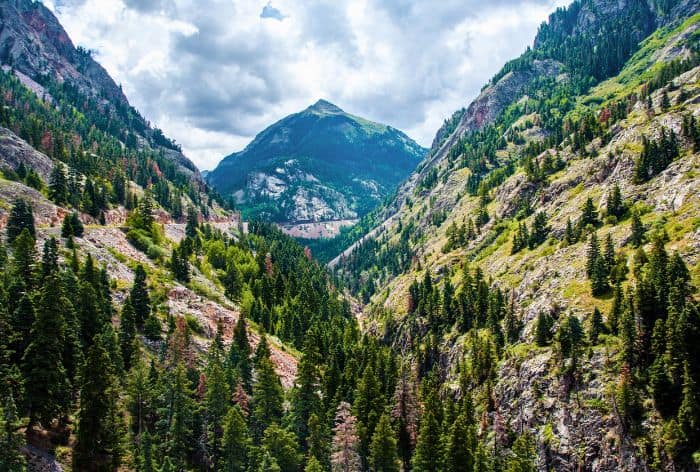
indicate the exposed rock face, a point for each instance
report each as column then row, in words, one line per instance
column 321, row 164
column 14, row 150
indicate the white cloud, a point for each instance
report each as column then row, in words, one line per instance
column 212, row 73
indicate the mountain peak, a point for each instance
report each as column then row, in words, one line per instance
column 324, row 106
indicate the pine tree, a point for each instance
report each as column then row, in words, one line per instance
column 282, row 446
column 570, row 234
column 599, row 277
column 609, row 253
column 232, row 281
column 100, row 424
column 235, row 442
column 11, row 439
column 305, row 399
column 592, row 255
column 596, row 327
column 238, row 361
column 192, row 222
column 127, row 333
column 428, row 456
column 638, row 230
column 523, row 456
column 268, row 397
column 543, row 328
column 461, row 443
column 405, row 414
column 345, row 456
column 47, row 384
column 616, row 309
column 539, row 231
column 179, row 434
column 179, row 263
column 21, row 218
column 689, row 411
column 67, row 227
column 368, row 407
column 76, row 225
column 216, row 396
column 146, row 461
column 140, row 300
column 615, row 205
column 58, row 185
column 24, row 259
column 589, row 215
column 382, row 449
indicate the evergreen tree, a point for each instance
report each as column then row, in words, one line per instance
column 599, row 277
column 140, row 300
column 267, row 398
column 523, row 456
column 146, row 461
column 235, row 442
column 382, row 449
column 21, row 218
column 47, row 384
column 305, row 400
column 638, row 230
column 589, row 215
column 689, row 411
column 192, row 222
column 58, row 185
column 543, row 328
column 24, row 259
column 615, row 205
column 180, row 412
column 592, row 255
column 67, row 227
column 596, row 327
column 100, row 424
column 539, row 231
column 461, row 443
column 238, row 362
column 345, row 456
column 405, row 414
column 368, row 407
column 428, row 456
column 11, row 439
column 282, row 446
column 76, row 225
column 127, row 333
column 179, row 263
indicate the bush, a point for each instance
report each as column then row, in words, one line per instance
column 155, row 252
column 194, row 325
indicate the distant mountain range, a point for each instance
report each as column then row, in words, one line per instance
column 321, row 164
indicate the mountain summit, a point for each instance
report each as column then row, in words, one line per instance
column 320, row 164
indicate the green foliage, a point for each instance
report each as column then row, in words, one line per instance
column 21, row 218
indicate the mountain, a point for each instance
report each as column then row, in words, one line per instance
column 320, row 164
column 489, row 265
column 42, row 56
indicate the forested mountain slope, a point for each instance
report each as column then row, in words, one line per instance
column 544, row 256
column 321, row 164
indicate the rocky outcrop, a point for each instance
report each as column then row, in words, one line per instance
column 14, row 150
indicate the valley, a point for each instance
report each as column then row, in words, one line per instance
column 522, row 296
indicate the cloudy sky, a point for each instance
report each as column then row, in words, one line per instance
column 213, row 73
